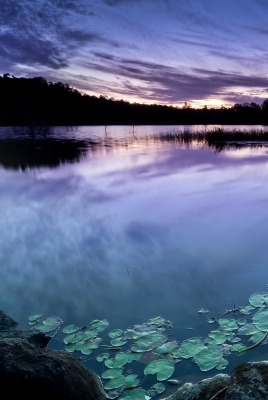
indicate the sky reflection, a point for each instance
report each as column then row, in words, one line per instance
column 134, row 232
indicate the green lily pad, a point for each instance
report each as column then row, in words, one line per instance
column 163, row 369
column 118, row 341
column 73, row 338
column 259, row 299
column 260, row 320
column 33, row 319
column 88, row 334
column 246, row 309
column 148, row 342
column 217, row 337
column 208, row 358
column 222, row 364
column 99, row 325
column 211, row 320
column 156, row 389
column 247, row 329
column 133, row 394
column 115, row 333
column 131, row 381
column 112, row 373
column 228, row 324
column 71, row 347
column 241, row 321
column 234, row 339
column 119, row 360
column 49, row 324
column 256, row 337
column 238, row 347
column 88, row 347
column 114, row 383
column 188, row 348
column 103, row 356
column 167, row 347
column 119, row 380
column 70, row 329
column 133, row 356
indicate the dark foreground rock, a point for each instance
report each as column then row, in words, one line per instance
column 248, row 381
column 28, row 368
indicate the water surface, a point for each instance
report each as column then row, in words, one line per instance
column 126, row 227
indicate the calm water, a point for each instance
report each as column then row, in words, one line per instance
column 125, row 227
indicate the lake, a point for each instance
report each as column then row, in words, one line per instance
column 119, row 225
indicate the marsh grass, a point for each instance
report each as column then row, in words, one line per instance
column 217, row 138
column 215, row 135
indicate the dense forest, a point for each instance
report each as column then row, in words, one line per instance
column 35, row 101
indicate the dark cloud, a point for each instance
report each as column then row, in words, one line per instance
column 76, row 6
column 170, row 85
column 31, row 50
column 35, row 33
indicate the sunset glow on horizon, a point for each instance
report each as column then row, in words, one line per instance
column 170, row 52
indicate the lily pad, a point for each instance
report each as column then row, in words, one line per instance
column 99, row 325
column 103, row 356
column 189, row 348
column 163, row 369
column 133, row 394
column 128, row 381
column 49, row 324
column 228, row 324
column 131, row 381
column 115, row 333
column 222, row 364
column 118, row 341
column 149, row 342
column 260, row 320
column 114, row 383
column 238, row 347
column 259, row 299
column 70, row 329
column 167, row 347
column 112, row 373
column 256, row 337
column 217, row 337
column 246, row 309
column 247, row 329
column 156, row 389
column 208, row 358
column 211, row 320
column 119, row 360
column 33, row 319
column 73, row 338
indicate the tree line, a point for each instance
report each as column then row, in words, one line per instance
column 35, row 101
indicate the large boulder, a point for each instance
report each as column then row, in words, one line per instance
column 248, row 381
column 28, row 368
column 203, row 390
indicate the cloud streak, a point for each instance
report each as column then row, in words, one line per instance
column 160, row 51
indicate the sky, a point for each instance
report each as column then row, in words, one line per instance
column 203, row 52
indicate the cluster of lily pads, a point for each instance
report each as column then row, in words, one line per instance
column 149, row 345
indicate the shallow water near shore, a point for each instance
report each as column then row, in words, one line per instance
column 126, row 227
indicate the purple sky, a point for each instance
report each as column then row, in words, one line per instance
column 205, row 52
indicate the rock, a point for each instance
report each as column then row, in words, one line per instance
column 29, row 369
column 203, row 390
column 248, row 381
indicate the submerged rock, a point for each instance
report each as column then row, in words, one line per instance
column 28, row 368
